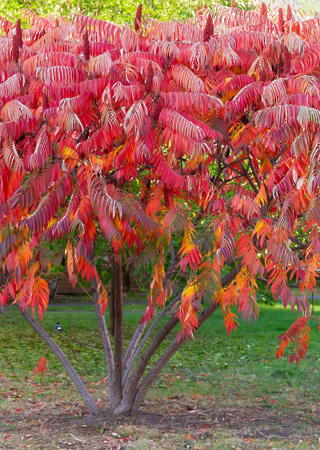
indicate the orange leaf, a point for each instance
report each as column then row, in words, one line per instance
column 103, row 300
column 69, row 252
column 40, row 296
column 230, row 320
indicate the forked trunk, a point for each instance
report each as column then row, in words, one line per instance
column 128, row 380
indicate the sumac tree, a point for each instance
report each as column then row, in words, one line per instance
column 192, row 147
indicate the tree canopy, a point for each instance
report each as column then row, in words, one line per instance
column 189, row 146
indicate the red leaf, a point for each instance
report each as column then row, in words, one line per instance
column 41, row 367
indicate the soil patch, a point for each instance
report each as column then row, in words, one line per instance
column 192, row 423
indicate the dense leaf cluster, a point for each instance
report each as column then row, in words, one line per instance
column 205, row 129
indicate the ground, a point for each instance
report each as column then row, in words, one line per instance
column 181, row 421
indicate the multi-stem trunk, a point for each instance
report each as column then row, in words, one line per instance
column 136, row 385
column 128, row 378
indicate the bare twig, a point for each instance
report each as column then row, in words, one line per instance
column 77, row 438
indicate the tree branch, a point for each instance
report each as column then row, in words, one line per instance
column 247, row 176
column 93, row 407
column 136, row 375
column 158, row 339
column 146, row 336
column 133, row 344
column 106, row 344
column 255, row 175
column 164, row 358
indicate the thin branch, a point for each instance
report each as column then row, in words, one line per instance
column 80, row 342
column 165, row 357
column 136, row 375
column 265, row 280
column 93, row 407
column 171, row 271
column 228, row 180
column 255, row 175
column 133, row 344
column 275, row 159
column 146, row 337
column 106, row 344
column 247, row 176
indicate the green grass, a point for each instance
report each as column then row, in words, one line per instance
column 232, row 364
column 237, row 373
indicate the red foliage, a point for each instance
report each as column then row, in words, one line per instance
column 149, row 79
column 41, row 367
column 15, row 49
column 86, row 46
column 137, row 20
column 299, row 332
column 19, row 33
column 45, row 101
column 208, row 31
column 180, row 146
column 264, row 10
column 281, row 20
column 286, row 60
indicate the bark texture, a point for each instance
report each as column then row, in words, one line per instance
column 118, row 330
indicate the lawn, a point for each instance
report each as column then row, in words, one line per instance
column 218, row 391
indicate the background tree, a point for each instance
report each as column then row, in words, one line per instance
column 119, row 11
column 195, row 153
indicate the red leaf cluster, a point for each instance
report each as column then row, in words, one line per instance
column 264, row 10
column 208, row 31
column 137, row 19
column 86, row 46
column 183, row 148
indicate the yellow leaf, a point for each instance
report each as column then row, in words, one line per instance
column 261, row 197
column 259, row 226
column 70, row 157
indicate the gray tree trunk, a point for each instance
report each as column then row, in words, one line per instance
column 93, row 407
